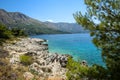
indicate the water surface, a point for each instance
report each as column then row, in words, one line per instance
column 80, row 46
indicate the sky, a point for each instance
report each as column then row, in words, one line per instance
column 45, row 10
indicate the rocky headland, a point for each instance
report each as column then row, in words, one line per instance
column 47, row 66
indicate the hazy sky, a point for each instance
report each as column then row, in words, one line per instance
column 45, row 10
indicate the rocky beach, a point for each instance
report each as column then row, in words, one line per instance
column 47, row 66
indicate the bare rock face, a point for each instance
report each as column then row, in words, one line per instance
column 45, row 64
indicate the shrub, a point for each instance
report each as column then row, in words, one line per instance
column 75, row 70
column 26, row 60
column 98, row 72
column 18, row 32
column 5, row 33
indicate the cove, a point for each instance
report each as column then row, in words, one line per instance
column 80, row 46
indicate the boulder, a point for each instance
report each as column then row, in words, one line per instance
column 84, row 63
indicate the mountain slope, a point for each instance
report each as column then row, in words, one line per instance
column 30, row 25
column 67, row 27
column 33, row 26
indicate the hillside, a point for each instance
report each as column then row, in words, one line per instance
column 30, row 25
column 33, row 26
column 67, row 27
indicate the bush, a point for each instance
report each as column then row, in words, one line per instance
column 97, row 72
column 76, row 71
column 26, row 60
column 17, row 32
column 5, row 33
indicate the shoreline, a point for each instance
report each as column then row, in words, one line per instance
column 80, row 46
column 55, row 63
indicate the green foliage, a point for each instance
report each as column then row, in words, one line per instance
column 17, row 32
column 106, row 32
column 36, row 28
column 98, row 73
column 5, row 33
column 76, row 71
column 26, row 60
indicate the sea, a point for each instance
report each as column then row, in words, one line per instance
column 79, row 46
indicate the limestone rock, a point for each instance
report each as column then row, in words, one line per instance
column 45, row 64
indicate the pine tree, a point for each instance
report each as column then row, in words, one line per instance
column 106, row 32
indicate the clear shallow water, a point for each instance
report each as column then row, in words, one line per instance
column 79, row 46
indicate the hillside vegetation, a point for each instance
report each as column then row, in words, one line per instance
column 6, row 34
column 32, row 26
column 21, row 21
column 67, row 27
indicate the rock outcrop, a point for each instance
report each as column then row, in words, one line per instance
column 44, row 64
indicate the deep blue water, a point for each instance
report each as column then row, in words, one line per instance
column 80, row 46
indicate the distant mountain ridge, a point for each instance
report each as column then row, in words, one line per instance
column 33, row 26
column 30, row 25
column 67, row 27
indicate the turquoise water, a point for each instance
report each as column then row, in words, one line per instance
column 79, row 46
